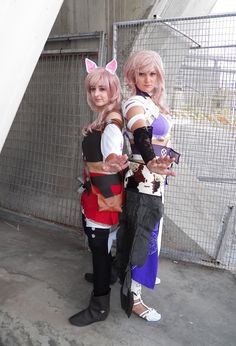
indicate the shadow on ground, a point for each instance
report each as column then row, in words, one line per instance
column 41, row 285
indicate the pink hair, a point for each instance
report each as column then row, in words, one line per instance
column 112, row 84
column 145, row 60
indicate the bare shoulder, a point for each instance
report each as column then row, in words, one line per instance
column 115, row 118
column 114, row 115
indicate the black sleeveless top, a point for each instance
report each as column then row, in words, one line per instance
column 91, row 147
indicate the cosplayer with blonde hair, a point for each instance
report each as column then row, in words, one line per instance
column 102, row 198
column 148, row 126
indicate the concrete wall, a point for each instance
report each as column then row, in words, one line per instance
column 96, row 15
column 183, row 8
column 78, row 16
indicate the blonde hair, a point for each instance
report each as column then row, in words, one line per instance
column 146, row 60
column 112, row 85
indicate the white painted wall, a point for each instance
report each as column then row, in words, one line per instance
column 24, row 28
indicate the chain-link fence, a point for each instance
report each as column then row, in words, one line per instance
column 199, row 56
column 41, row 159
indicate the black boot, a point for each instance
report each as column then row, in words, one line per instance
column 98, row 310
column 89, row 276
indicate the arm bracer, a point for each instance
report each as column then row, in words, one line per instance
column 142, row 140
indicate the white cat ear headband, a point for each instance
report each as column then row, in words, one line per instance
column 110, row 67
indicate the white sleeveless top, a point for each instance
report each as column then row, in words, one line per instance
column 149, row 182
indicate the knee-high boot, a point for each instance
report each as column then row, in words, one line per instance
column 98, row 310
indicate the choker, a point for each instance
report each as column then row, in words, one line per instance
column 141, row 93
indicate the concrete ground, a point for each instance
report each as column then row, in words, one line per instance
column 41, row 285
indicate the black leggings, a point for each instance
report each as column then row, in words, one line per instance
column 98, row 244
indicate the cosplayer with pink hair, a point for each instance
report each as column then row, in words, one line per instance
column 112, row 84
column 143, row 60
column 148, row 126
column 102, row 198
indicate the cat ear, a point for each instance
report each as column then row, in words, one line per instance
column 111, row 66
column 90, row 65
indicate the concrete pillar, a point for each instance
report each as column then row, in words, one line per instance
column 24, row 28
